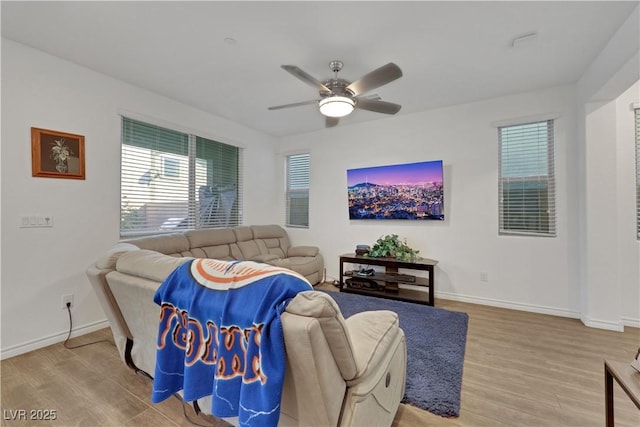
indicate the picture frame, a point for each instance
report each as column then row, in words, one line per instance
column 56, row 154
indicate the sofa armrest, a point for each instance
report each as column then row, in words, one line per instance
column 117, row 323
column 148, row 265
column 264, row 258
column 302, row 251
column 108, row 260
column 373, row 334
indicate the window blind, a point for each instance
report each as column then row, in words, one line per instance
column 297, row 191
column 637, row 113
column 527, row 179
column 171, row 180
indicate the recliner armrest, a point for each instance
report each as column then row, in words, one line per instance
column 303, row 251
column 373, row 334
column 325, row 310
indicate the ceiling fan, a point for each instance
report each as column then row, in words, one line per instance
column 339, row 97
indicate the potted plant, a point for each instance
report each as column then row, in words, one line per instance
column 60, row 152
column 390, row 246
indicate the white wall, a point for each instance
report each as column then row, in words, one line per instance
column 40, row 265
column 628, row 245
column 602, row 251
column 612, row 251
column 537, row 274
column 549, row 275
column 591, row 270
column 608, row 254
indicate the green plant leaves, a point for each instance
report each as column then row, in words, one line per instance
column 390, row 246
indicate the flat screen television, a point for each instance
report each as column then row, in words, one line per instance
column 411, row 191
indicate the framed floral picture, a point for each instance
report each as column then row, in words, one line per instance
column 57, row 154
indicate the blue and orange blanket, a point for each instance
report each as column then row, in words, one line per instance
column 220, row 334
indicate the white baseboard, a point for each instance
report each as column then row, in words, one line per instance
column 509, row 304
column 602, row 324
column 632, row 323
column 592, row 323
column 26, row 347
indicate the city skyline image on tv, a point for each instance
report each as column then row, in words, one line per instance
column 411, row 191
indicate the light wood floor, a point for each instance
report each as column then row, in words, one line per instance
column 521, row 369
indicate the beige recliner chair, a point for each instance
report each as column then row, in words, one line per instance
column 340, row 372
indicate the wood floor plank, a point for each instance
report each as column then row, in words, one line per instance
column 521, row 369
column 150, row 418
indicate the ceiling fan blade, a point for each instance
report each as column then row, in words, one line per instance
column 330, row 122
column 307, row 78
column 295, row 104
column 376, row 78
column 377, row 106
column 371, row 96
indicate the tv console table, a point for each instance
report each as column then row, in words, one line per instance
column 385, row 285
column 627, row 377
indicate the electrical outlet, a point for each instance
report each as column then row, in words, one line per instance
column 484, row 276
column 67, row 299
column 36, row 221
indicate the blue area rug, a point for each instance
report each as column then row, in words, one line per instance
column 436, row 341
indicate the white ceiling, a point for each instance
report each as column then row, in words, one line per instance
column 450, row 52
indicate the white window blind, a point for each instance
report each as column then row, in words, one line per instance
column 298, row 171
column 172, row 180
column 637, row 111
column 527, row 179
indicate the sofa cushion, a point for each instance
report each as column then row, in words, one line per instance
column 271, row 247
column 243, row 233
column 267, row 258
column 303, row 251
column 210, row 237
column 271, row 239
column 175, row 244
column 221, row 252
column 268, row 231
column 249, row 249
column 216, row 243
column 303, row 265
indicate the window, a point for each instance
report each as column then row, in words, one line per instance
column 297, row 209
column 172, row 180
column 527, row 182
column 637, row 111
column 171, row 167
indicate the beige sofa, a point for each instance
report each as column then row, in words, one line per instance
column 340, row 372
column 261, row 243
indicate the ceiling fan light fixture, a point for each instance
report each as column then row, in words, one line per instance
column 336, row 106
